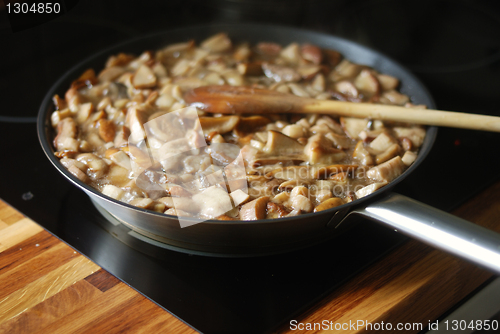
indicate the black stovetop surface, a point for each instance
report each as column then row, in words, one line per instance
column 455, row 51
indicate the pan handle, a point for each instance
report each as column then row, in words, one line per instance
column 436, row 228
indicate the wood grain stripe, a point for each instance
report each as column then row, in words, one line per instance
column 102, row 280
column 26, row 250
column 35, row 268
column 3, row 225
column 107, row 306
column 18, row 232
column 9, row 214
column 50, row 310
column 45, row 287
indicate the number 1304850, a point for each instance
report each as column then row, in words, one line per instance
column 34, row 8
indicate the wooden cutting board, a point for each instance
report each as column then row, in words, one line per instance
column 46, row 286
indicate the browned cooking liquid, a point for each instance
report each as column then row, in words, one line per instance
column 128, row 132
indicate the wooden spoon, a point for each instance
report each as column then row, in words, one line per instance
column 246, row 100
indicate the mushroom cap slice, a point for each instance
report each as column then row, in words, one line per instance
column 280, row 144
column 221, row 125
column 255, row 209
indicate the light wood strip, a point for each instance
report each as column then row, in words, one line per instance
column 103, row 308
column 47, row 312
column 45, row 287
column 35, row 268
column 18, row 232
column 3, row 225
column 9, row 214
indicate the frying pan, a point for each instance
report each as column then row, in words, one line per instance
column 251, row 238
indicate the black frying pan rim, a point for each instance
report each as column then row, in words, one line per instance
column 44, row 126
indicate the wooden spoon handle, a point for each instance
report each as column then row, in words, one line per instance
column 246, row 100
column 403, row 114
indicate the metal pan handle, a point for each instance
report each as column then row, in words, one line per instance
column 437, row 228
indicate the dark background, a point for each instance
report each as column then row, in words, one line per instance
column 440, row 41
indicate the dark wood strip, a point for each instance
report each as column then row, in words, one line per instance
column 38, row 266
column 41, row 315
column 102, row 280
column 26, row 250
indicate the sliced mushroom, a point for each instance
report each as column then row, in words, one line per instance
column 78, row 173
column 345, row 69
column 255, row 209
column 387, row 171
column 416, row 134
column 347, row 88
column 59, row 103
column 353, row 126
column 319, row 83
column 118, row 176
column 144, row 77
column 113, row 191
column 178, row 47
column 239, row 197
column 268, row 49
column 382, row 142
column 233, row 78
column 84, row 112
column 295, row 131
column 280, row 73
column 250, row 68
column 389, row 153
column 320, row 150
column 311, row 53
column 341, row 142
column 87, row 79
column 394, row 97
column 362, row 155
column 143, row 203
column 291, row 53
column 276, row 210
column 110, row 73
column 107, row 130
column 242, row 52
column 301, row 203
column 328, row 204
column 367, row 83
column 280, row 144
column 66, row 136
column 387, row 82
column 217, row 43
column 409, row 157
column 365, row 191
column 297, row 90
column 120, row 59
column 136, row 117
column 97, row 167
column 59, row 115
column 308, row 71
column 221, row 125
column 121, row 159
column 121, row 138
